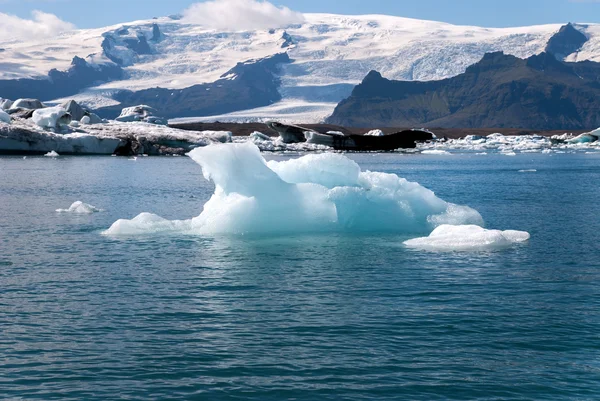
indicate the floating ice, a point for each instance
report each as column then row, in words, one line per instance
column 532, row 170
column 79, row 208
column 315, row 193
column 5, row 104
column 145, row 223
column 467, row 237
column 51, row 117
column 511, row 145
column 52, row 153
column 435, row 152
column 375, row 132
column 31, row 104
column 4, row 117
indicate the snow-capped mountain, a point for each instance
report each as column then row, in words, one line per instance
column 329, row 55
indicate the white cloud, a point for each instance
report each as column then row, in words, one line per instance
column 241, row 15
column 40, row 25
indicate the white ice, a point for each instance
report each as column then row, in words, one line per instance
column 49, row 117
column 5, row 104
column 435, row 152
column 512, row 145
column 80, row 208
column 314, row 193
column 4, row 117
column 467, row 237
column 52, row 153
column 375, row 132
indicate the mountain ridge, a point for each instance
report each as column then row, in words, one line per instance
column 329, row 54
column 500, row 90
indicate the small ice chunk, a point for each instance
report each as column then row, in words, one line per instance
column 435, row 152
column 80, row 208
column 5, row 104
column 31, row 104
column 145, row 223
column 467, row 237
column 51, row 117
column 528, row 171
column 375, row 132
column 4, row 117
column 52, row 153
column 259, row 136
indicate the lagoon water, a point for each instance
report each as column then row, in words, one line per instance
column 304, row 317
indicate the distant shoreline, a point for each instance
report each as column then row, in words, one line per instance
column 245, row 129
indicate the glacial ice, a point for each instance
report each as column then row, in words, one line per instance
column 141, row 112
column 52, row 153
column 5, row 104
column 435, row 152
column 4, row 117
column 513, row 145
column 80, row 208
column 314, row 193
column 375, row 132
column 467, row 237
column 51, row 117
column 31, row 104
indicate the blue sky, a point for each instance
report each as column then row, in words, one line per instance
column 491, row 13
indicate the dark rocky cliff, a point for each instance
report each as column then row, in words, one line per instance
column 499, row 91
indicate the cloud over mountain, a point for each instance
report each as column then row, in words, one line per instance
column 41, row 24
column 238, row 15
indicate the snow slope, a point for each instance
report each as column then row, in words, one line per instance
column 330, row 53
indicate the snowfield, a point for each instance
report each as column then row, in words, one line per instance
column 330, row 54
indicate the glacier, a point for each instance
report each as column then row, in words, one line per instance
column 311, row 194
column 331, row 53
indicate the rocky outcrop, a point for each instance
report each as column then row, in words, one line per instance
column 250, row 84
column 566, row 41
column 500, row 91
column 59, row 84
column 157, row 35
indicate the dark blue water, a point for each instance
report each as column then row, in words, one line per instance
column 327, row 317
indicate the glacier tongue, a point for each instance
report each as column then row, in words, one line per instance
column 315, row 193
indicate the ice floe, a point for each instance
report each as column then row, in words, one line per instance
column 467, row 237
column 80, row 208
column 513, row 145
column 52, row 153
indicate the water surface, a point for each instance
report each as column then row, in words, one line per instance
column 305, row 317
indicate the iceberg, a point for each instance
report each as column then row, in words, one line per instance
column 467, row 237
column 30, row 104
column 435, row 152
column 4, row 117
column 375, row 132
column 5, row 104
column 52, row 153
column 80, row 208
column 51, row 117
column 142, row 113
column 315, row 193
